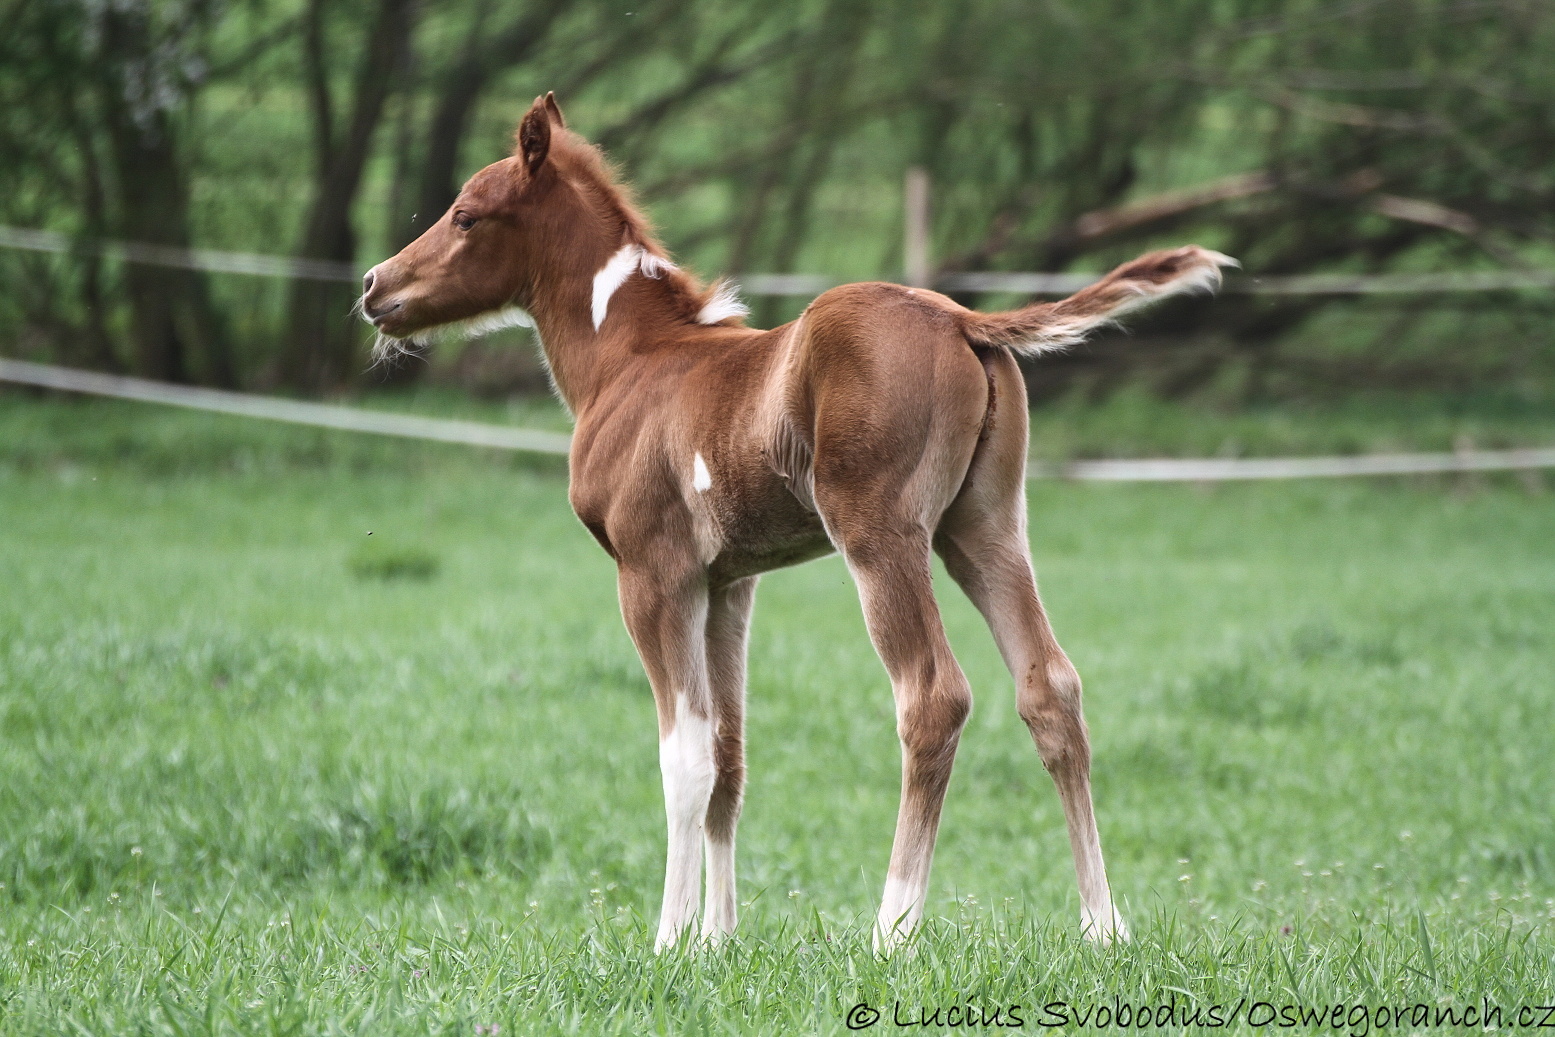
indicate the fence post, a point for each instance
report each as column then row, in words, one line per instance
column 915, row 244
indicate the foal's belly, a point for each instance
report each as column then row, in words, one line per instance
column 781, row 536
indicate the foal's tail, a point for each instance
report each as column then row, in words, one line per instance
column 1047, row 326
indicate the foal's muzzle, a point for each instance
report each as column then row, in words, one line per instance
column 375, row 309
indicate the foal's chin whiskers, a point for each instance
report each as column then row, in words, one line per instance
column 388, row 352
column 388, row 349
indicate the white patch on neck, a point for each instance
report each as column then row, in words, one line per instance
column 724, row 304
column 629, row 259
column 701, row 478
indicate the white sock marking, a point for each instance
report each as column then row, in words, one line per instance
column 687, row 768
column 1103, row 926
column 718, row 917
column 901, row 908
column 701, row 478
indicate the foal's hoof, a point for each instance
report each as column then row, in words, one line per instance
column 895, row 942
column 1105, row 927
column 672, row 940
column 714, row 938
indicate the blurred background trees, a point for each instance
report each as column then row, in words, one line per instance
column 1301, row 136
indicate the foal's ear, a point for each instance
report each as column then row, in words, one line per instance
column 534, row 135
column 555, row 109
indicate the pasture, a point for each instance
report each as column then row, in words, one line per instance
column 263, row 773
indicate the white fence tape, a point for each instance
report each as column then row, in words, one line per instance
column 504, row 437
column 179, row 258
column 298, row 412
column 1218, row 469
column 804, row 285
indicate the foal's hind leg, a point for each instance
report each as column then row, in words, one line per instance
column 728, row 622
column 982, row 539
column 997, row 577
column 892, row 570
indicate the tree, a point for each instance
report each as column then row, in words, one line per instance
column 119, row 81
column 321, row 342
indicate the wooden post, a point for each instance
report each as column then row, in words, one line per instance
column 915, row 243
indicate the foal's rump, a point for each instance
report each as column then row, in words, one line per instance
column 897, row 400
column 900, row 381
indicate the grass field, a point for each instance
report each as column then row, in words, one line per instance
column 263, row 773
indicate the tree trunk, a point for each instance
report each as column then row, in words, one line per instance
column 176, row 333
column 322, row 338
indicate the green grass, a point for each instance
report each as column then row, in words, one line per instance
column 63, row 433
column 261, row 774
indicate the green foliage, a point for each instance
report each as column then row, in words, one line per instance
column 244, row 791
column 1403, row 135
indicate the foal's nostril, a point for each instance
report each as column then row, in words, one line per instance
column 367, row 282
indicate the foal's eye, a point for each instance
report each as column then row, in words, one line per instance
column 463, row 220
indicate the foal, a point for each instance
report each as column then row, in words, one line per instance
column 885, row 423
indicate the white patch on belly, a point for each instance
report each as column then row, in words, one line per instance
column 701, row 478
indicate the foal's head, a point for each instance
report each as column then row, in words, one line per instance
column 536, row 216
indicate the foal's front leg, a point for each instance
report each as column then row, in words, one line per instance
column 665, row 608
column 728, row 623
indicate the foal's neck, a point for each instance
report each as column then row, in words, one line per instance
column 592, row 316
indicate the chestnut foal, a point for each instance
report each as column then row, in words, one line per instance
column 885, row 423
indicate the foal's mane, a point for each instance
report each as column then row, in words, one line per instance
column 588, row 169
